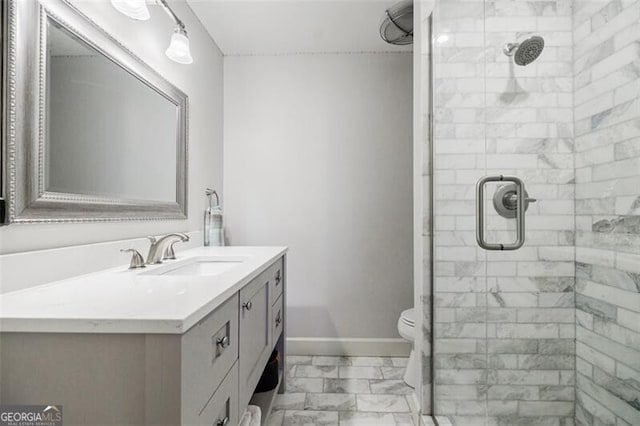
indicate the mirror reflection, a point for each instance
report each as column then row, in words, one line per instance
column 108, row 134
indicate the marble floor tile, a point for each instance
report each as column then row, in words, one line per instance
column 275, row 418
column 311, row 371
column 392, row 372
column 443, row 421
column 404, row 419
column 311, row 418
column 304, row 384
column 330, row 402
column 346, row 386
column 399, row 362
column 382, row 403
column 324, row 390
column 299, row 360
column 427, row 421
column 394, row 387
column 360, row 372
column 291, row 370
column 289, row 401
column 371, row 361
column 367, row 419
column 331, row 360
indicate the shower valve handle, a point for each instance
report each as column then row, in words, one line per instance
column 512, row 202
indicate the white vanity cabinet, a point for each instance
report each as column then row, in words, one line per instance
column 224, row 355
column 209, row 351
column 277, row 317
column 255, row 335
column 222, row 409
column 205, row 375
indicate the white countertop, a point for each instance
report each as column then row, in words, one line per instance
column 120, row 300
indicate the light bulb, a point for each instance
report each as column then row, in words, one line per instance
column 178, row 50
column 135, row 9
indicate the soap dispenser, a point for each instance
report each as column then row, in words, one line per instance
column 213, row 223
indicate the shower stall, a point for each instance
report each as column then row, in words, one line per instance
column 528, row 203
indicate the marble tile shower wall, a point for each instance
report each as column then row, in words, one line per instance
column 607, row 140
column 504, row 321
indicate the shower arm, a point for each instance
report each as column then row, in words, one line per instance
column 509, row 49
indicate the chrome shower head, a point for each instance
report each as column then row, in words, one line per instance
column 526, row 52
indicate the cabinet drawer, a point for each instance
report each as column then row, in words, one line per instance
column 277, row 318
column 222, row 408
column 255, row 335
column 276, row 276
column 209, row 349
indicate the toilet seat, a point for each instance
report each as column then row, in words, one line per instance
column 408, row 317
column 407, row 324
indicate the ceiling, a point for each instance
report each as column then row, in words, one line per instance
column 272, row 27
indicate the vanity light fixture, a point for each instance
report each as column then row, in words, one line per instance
column 134, row 9
column 178, row 50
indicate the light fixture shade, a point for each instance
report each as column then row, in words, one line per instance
column 134, row 9
column 179, row 50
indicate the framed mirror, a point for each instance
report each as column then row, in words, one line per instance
column 92, row 132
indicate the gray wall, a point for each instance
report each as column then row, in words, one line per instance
column 318, row 158
column 607, row 126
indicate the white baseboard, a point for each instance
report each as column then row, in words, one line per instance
column 347, row 347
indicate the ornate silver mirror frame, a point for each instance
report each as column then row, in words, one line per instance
column 24, row 120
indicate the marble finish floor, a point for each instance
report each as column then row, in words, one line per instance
column 344, row 391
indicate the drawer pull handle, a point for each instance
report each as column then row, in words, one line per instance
column 278, row 319
column 278, row 277
column 223, row 342
column 247, row 305
column 223, row 422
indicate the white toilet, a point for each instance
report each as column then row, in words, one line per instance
column 406, row 328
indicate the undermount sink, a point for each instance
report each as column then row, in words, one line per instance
column 198, row 267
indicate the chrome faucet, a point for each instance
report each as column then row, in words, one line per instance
column 158, row 247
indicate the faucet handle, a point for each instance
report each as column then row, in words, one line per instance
column 169, row 253
column 137, row 261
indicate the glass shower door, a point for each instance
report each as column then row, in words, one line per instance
column 504, row 329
